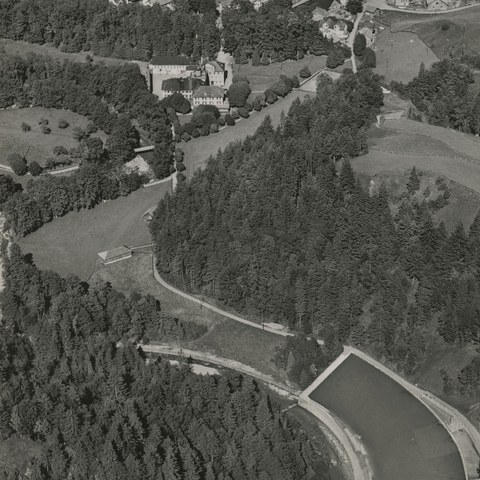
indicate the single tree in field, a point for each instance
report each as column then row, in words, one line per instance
column 26, row 127
column 35, row 169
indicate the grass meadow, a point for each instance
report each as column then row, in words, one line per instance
column 69, row 245
column 35, row 144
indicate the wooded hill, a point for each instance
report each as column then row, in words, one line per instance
column 96, row 409
column 271, row 229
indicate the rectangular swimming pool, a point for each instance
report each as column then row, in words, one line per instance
column 404, row 439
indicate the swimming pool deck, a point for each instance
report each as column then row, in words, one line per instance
column 425, row 432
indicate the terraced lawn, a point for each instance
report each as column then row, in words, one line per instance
column 403, row 438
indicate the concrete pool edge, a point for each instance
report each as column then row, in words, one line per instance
column 456, row 423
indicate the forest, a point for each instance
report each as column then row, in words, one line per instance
column 130, row 31
column 114, row 98
column 72, row 381
column 444, row 96
column 274, row 33
column 271, row 228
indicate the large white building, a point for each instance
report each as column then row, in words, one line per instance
column 179, row 65
column 215, row 73
column 209, row 95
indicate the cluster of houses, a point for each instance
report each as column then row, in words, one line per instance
column 434, row 5
column 201, row 83
column 334, row 23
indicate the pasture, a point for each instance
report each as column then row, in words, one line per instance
column 263, row 77
column 69, row 245
column 403, row 438
column 461, row 33
column 399, row 55
column 35, row 144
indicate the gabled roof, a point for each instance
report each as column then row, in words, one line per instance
column 114, row 253
column 170, row 60
column 219, row 67
column 319, row 11
column 432, row 1
column 208, row 92
column 181, row 84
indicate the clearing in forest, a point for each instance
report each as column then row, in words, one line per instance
column 34, row 144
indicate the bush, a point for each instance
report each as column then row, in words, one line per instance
column 270, row 96
column 257, row 103
column 60, row 150
column 264, row 60
column 256, row 58
column 238, row 93
column 213, row 128
column 181, row 177
column 177, row 138
column 445, row 26
column 63, row 124
column 248, row 107
column 221, row 122
column 188, row 128
column 18, row 164
column 195, row 133
column 179, row 154
column 359, row 45
column 186, row 137
column 26, row 127
column 178, row 128
column 210, row 109
column 235, row 115
column 90, row 128
column 78, row 134
column 35, row 169
column 205, row 130
column 46, row 129
column 370, row 59
column 281, row 88
column 229, row 120
column 43, row 121
column 305, row 72
column 295, row 82
column 180, row 166
column 239, row 77
column 243, row 112
column 335, row 58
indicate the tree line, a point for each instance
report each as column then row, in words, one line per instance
column 443, row 95
column 130, row 31
column 112, row 97
column 72, row 381
column 273, row 33
column 271, row 227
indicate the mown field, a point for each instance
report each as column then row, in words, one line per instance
column 399, row 55
column 262, row 77
column 35, row 144
column 69, row 245
column 453, row 33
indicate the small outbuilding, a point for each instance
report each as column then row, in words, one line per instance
column 115, row 255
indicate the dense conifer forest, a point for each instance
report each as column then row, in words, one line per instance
column 443, row 95
column 271, row 228
column 72, row 381
column 129, row 31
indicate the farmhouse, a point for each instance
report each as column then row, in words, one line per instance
column 115, row 255
column 172, row 65
column 399, row 3
column 185, row 86
column 334, row 29
column 208, row 95
column 215, row 73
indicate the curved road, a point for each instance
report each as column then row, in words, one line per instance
column 259, row 326
column 167, row 349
